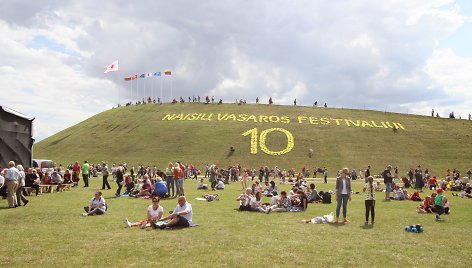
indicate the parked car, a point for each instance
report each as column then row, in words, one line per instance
column 44, row 164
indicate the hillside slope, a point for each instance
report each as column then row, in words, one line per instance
column 198, row 134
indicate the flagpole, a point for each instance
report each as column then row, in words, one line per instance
column 171, row 90
column 160, row 78
column 118, row 88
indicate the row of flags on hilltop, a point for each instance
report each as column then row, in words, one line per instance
column 146, row 75
column 114, row 67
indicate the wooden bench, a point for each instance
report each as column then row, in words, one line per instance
column 47, row 188
column 65, row 187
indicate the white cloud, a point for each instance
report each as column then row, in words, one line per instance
column 352, row 54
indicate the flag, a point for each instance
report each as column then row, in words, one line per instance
column 148, row 74
column 128, row 78
column 167, row 72
column 157, row 74
column 134, row 77
column 142, row 76
column 112, row 67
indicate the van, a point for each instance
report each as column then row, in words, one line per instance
column 44, row 165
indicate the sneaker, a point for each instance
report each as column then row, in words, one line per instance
column 143, row 225
column 84, row 214
column 437, row 217
column 127, row 223
column 26, row 203
column 162, row 226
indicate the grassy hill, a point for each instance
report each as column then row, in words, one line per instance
column 198, row 134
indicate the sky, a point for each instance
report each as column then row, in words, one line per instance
column 400, row 56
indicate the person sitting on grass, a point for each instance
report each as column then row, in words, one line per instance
column 312, row 194
column 160, row 188
column 255, row 204
column 378, row 187
column 245, row 199
column 220, row 185
column 256, row 187
column 154, row 214
column 201, row 185
column 129, row 185
column 415, row 196
column 398, row 193
column 427, row 206
column 432, row 183
column 467, row 192
column 146, row 188
column 282, row 203
column 299, row 200
column 273, row 190
column 181, row 217
column 97, row 205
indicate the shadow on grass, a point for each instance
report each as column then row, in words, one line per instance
column 367, row 226
column 337, row 225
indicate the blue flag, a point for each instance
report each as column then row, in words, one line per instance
column 157, row 74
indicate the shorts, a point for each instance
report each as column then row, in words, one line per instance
column 182, row 223
column 388, row 187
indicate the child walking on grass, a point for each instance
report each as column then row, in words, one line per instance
column 439, row 202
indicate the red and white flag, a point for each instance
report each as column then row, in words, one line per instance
column 112, row 67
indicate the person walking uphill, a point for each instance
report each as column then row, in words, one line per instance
column 343, row 193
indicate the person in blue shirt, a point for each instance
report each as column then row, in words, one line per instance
column 160, row 188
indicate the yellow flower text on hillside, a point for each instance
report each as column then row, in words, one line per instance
column 301, row 119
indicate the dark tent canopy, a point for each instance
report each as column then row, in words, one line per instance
column 16, row 138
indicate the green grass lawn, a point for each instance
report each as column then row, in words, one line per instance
column 50, row 232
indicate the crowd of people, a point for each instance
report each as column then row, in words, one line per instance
column 154, row 183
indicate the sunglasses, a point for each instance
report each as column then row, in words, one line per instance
column 155, row 200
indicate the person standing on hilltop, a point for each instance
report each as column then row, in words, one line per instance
column 270, row 100
column 85, row 173
column 257, row 100
column 295, row 102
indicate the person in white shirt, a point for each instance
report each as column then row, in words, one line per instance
column 2, row 183
column 56, row 179
column 12, row 177
column 2, row 180
column 154, row 214
column 21, row 187
column 181, row 217
column 220, row 185
column 97, row 205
